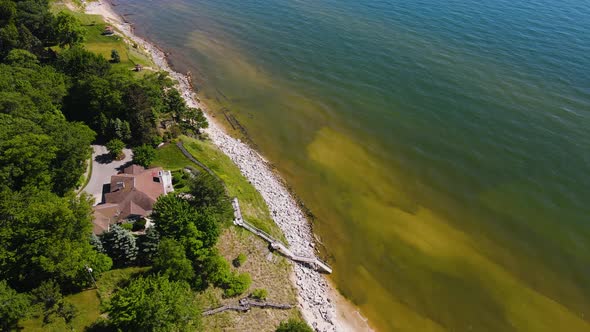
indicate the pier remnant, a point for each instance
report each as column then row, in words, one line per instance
column 277, row 245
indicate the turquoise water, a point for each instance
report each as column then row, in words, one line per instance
column 443, row 146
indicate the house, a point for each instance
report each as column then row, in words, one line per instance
column 132, row 194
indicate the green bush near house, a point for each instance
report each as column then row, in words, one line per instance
column 138, row 225
column 127, row 226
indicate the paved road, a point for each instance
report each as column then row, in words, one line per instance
column 102, row 170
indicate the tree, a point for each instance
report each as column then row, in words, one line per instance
column 176, row 218
column 73, row 151
column 120, row 245
column 148, row 246
column 209, row 194
column 115, row 57
column 293, row 325
column 37, row 18
column 53, row 305
column 22, row 58
column 96, row 244
column 119, row 129
column 44, row 237
column 68, row 30
column 171, row 261
column 7, row 12
column 143, row 155
column 80, row 63
column 25, row 161
column 193, row 120
column 13, row 307
column 47, row 296
column 154, row 304
column 115, row 148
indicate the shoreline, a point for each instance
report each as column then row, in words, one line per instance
column 321, row 305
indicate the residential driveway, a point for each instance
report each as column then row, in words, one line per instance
column 103, row 167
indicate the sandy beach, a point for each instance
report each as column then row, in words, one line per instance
column 321, row 305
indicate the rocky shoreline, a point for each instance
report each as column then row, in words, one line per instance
column 317, row 306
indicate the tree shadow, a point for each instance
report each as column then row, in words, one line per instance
column 105, row 158
column 125, row 165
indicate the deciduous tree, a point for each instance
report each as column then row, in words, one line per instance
column 46, row 237
column 13, row 307
column 68, row 30
column 155, row 304
column 144, row 155
column 115, row 148
column 171, row 261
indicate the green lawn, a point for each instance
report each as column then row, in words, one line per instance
column 98, row 43
column 252, row 204
column 169, row 157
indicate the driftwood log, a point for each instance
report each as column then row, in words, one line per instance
column 246, row 304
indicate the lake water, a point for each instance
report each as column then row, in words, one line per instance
column 443, row 146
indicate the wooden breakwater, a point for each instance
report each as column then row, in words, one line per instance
column 277, row 245
column 246, row 304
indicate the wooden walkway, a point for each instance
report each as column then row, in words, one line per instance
column 180, row 145
column 314, row 262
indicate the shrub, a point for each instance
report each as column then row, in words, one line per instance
column 259, row 294
column 139, row 225
column 240, row 260
column 156, row 140
column 115, row 57
column 128, row 226
column 294, row 325
column 115, row 148
column 237, row 284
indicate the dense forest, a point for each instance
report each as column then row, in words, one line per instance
column 56, row 98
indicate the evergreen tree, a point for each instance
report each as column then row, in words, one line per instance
column 120, row 245
column 115, row 57
column 96, row 243
column 148, row 246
